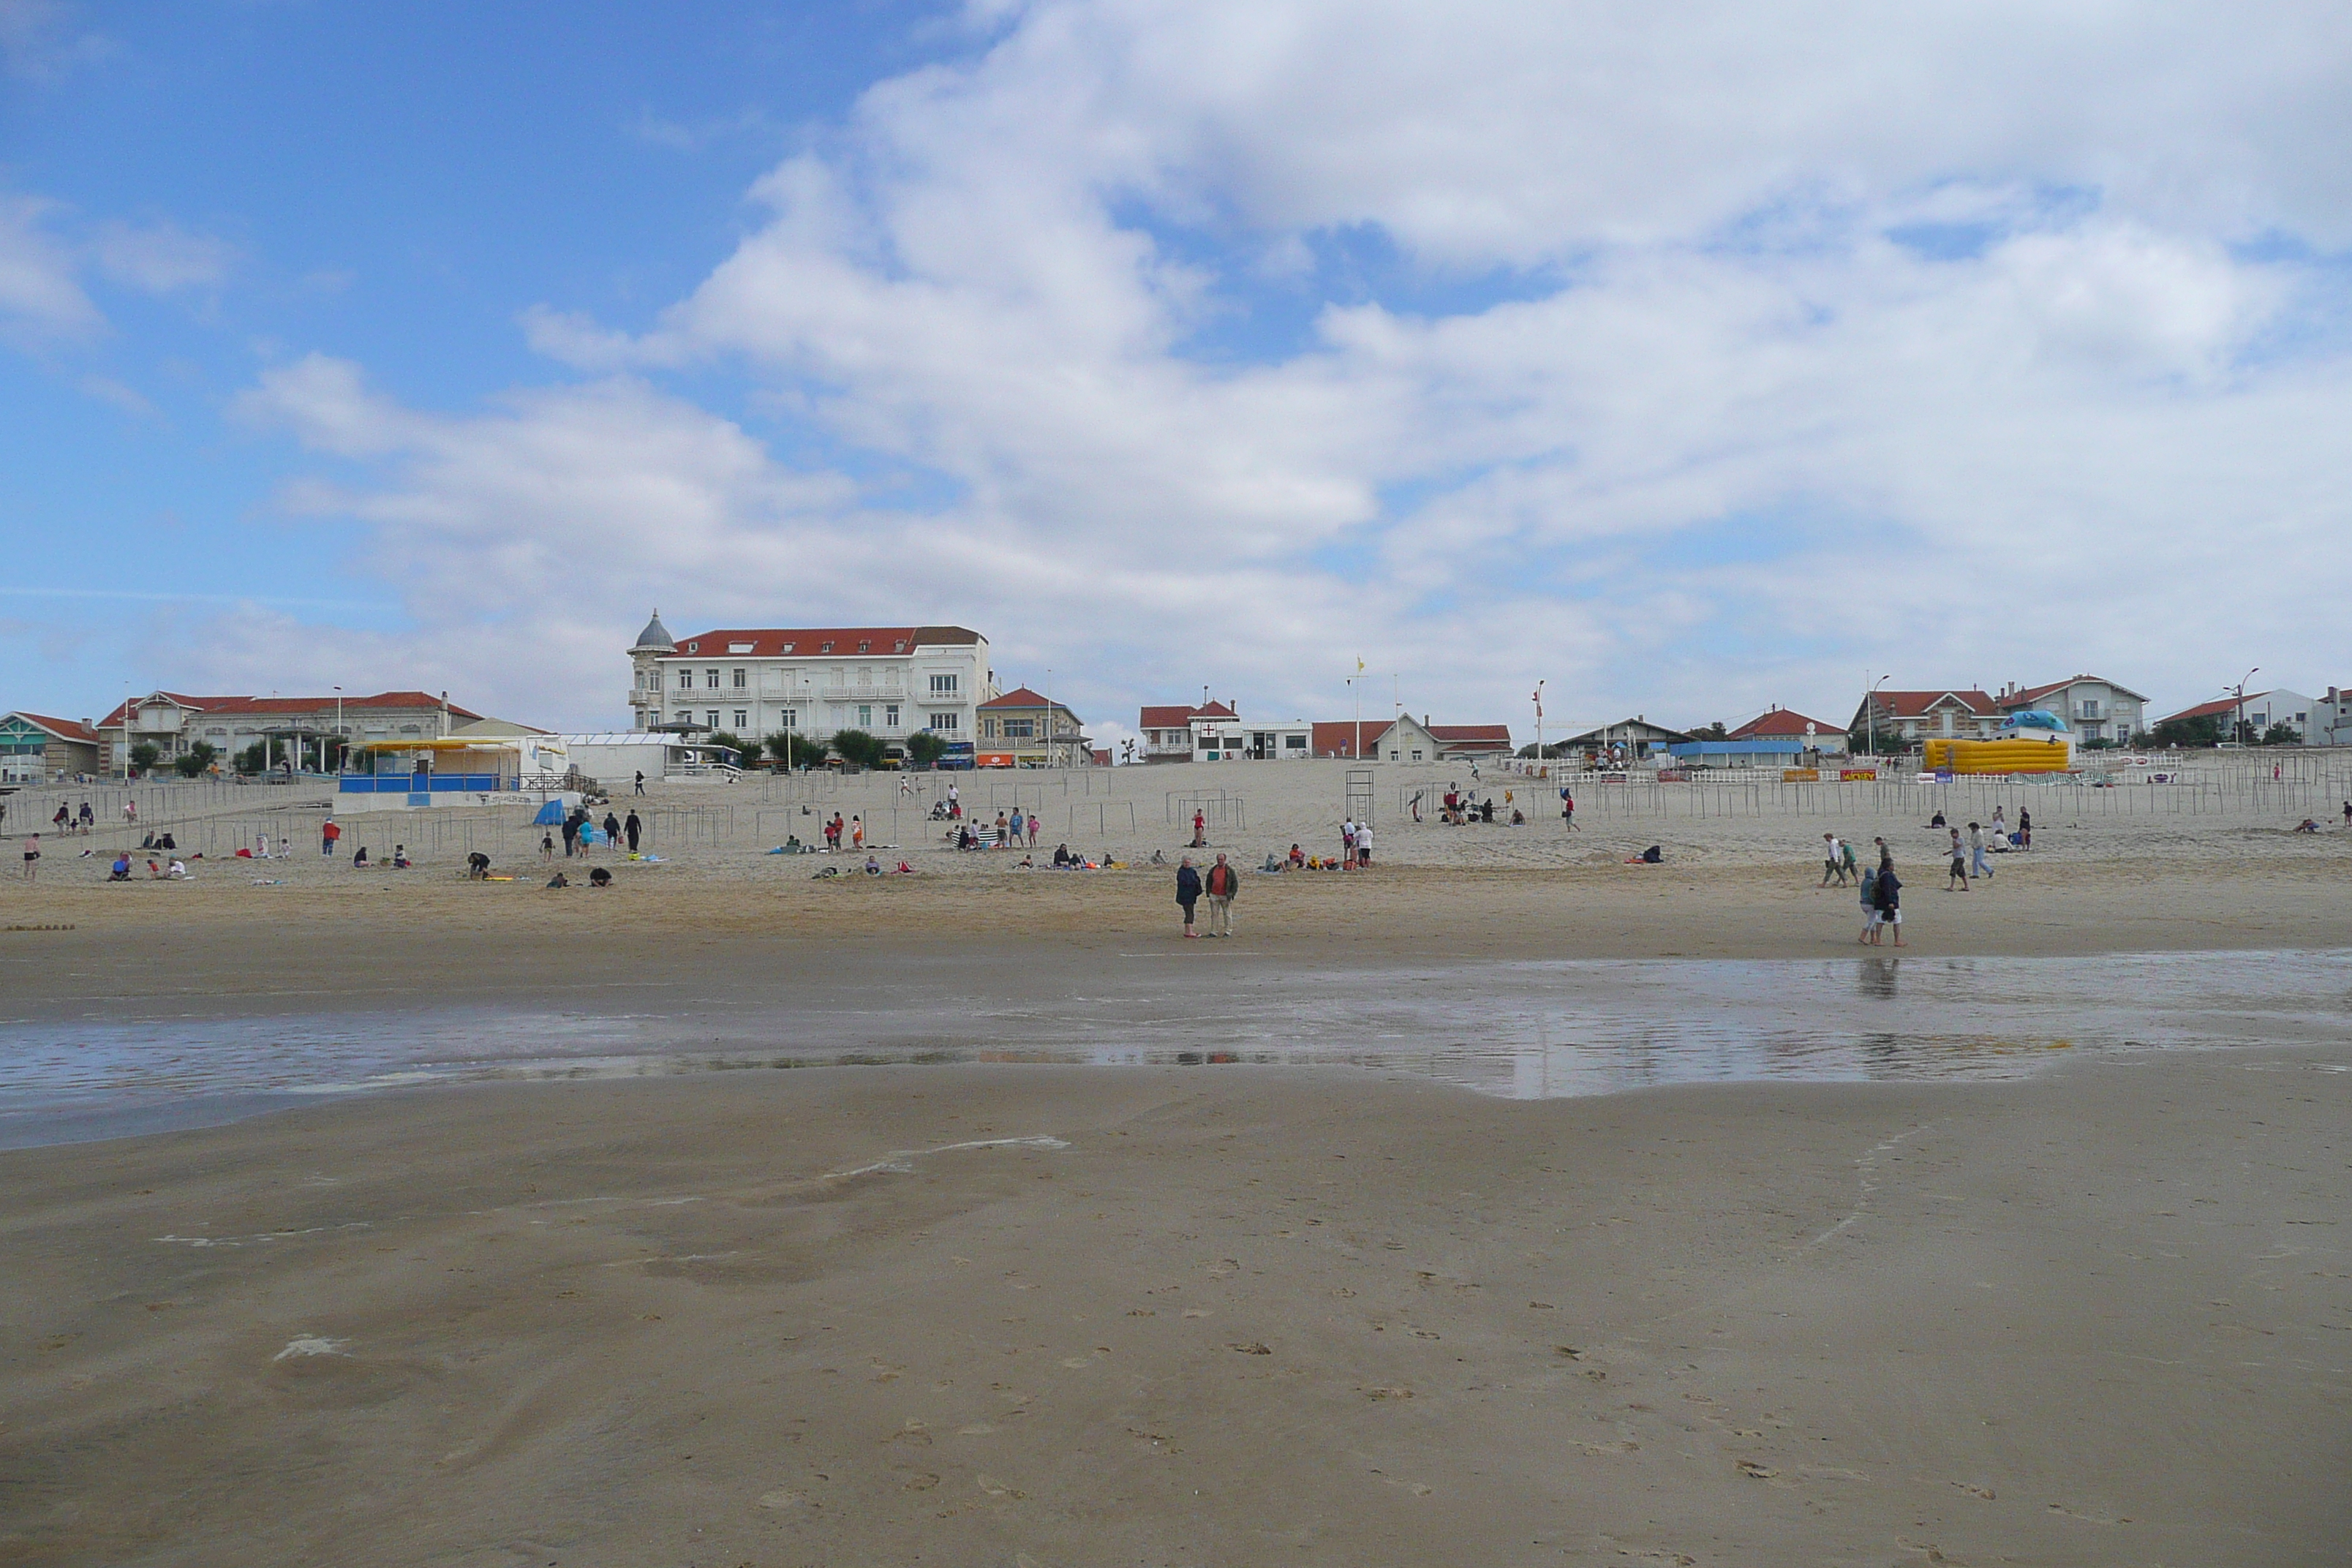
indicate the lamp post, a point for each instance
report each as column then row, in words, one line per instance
column 1537, row 700
column 1870, row 712
column 339, row 729
column 2238, row 713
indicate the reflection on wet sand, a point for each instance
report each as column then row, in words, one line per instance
column 1528, row 1030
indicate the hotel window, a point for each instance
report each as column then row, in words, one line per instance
column 713, row 718
column 1020, row 728
column 743, row 720
column 685, row 716
column 685, row 680
column 945, row 722
column 710, row 679
column 789, row 716
column 943, row 685
column 890, row 717
column 865, row 715
column 739, row 681
column 988, row 729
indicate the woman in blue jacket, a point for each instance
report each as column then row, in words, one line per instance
column 1188, row 892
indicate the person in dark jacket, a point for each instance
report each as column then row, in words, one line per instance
column 1890, row 899
column 633, row 828
column 1188, row 893
column 1221, row 884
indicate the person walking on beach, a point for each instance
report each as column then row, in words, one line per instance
column 1188, row 893
column 1032, row 830
column 33, row 857
column 571, row 834
column 130, row 814
column 1976, row 866
column 1568, row 808
column 328, row 833
column 1959, row 871
column 2024, row 829
column 89, row 818
column 1890, row 899
column 1832, row 866
column 633, row 828
column 612, row 825
column 1221, row 884
column 640, row 788
column 547, row 848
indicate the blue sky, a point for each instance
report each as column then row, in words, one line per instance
column 1691, row 368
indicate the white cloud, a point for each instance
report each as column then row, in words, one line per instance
column 1870, row 335
column 39, row 291
column 161, row 258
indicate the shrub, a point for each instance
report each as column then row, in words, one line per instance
column 857, row 747
column 924, row 748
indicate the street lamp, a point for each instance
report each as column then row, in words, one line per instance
column 1870, row 712
column 2237, row 714
column 339, row 726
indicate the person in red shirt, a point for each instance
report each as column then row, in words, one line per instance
column 327, row 836
column 1221, row 884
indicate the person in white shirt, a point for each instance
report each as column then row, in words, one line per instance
column 1833, row 860
column 1363, row 843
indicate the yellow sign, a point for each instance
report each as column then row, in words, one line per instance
column 1801, row 775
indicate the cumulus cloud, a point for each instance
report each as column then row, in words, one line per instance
column 1694, row 359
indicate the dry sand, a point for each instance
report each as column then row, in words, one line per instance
column 1245, row 1315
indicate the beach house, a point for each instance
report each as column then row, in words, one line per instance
column 2095, row 708
column 1023, row 728
column 1902, row 721
column 37, row 749
column 296, row 730
column 1777, row 723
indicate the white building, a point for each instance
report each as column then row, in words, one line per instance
column 891, row 681
column 2332, row 721
column 2095, row 708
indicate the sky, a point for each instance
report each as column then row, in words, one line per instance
column 1689, row 359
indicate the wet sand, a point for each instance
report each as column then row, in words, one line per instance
column 1222, row 1316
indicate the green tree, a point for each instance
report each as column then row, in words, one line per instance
column 145, row 755
column 254, row 759
column 858, row 747
column 192, row 763
column 924, row 749
column 795, row 751
column 2203, row 730
column 731, row 741
column 2281, row 735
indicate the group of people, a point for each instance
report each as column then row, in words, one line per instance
column 1219, row 886
column 119, row 871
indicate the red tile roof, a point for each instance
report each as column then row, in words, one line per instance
column 1465, row 737
column 2220, row 707
column 1177, row 715
column 63, row 728
column 1916, row 704
column 1338, row 739
column 1021, row 696
column 1783, row 722
column 810, row 642
column 262, row 707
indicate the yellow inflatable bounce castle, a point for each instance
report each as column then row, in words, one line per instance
column 2033, row 741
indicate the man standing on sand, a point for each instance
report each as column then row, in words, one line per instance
column 1188, row 893
column 1959, row 871
column 33, row 857
column 1221, row 884
column 633, row 828
column 1833, row 865
column 328, row 833
column 1889, row 902
column 1976, row 866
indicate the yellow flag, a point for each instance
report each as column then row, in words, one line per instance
column 1359, row 666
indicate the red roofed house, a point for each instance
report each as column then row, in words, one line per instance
column 1409, row 740
column 1341, row 738
column 2256, row 712
column 1902, row 720
column 291, row 726
column 1168, row 729
column 1023, row 729
column 35, row 748
column 893, row 682
column 1778, row 723
column 2095, row 708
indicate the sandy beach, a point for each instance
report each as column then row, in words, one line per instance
column 1217, row 1315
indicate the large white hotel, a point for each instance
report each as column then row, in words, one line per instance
column 891, row 681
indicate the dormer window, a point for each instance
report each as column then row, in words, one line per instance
column 898, row 646
column 824, row 648
column 788, row 647
column 694, row 647
column 862, row 646
column 741, row 646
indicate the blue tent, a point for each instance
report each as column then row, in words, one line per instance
column 549, row 816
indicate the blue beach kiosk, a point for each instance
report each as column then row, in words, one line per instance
column 419, row 774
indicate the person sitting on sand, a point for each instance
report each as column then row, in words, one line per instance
column 2308, row 825
column 601, row 877
column 1298, row 856
column 904, row 871
column 359, row 861
column 400, row 861
column 1654, row 856
column 1062, row 856
column 178, row 872
column 873, row 866
column 559, row 880
column 478, row 867
column 154, row 870
column 1938, row 820
column 121, row 870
